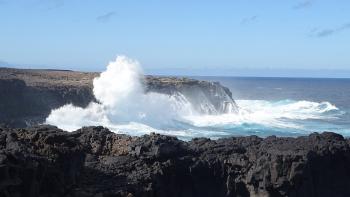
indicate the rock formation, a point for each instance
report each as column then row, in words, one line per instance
column 92, row 161
column 28, row 96
column 206, row 97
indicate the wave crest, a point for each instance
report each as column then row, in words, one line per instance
column 122, row 100
column 278, row 114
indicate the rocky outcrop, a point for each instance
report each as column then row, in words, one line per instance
column 205, row 97
column 28, row 96
column 46, row 161
column 23, row 104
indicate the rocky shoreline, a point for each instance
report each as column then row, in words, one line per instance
column 92, row 161
column 95, row 162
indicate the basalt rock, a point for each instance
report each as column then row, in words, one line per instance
column 92, row 161
column 28, row 96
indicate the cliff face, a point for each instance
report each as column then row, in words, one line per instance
column 46, row 161
column 28, row 96
column 23, row 104
column 205, row 97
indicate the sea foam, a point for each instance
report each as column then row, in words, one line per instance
column 124, row 107
column 122, row 100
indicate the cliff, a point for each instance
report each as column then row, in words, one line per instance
column 28, row 96
column 92, row 161
column 205, row 97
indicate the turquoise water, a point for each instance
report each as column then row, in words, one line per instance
column 284, row 107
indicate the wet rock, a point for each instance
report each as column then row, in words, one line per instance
column 205, row 97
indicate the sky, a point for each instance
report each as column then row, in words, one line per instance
column 182, row 37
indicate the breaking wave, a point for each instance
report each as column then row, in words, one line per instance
column 124, row 107
column 276, row 114
column 122, row 100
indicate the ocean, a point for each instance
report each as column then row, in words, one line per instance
column 286, row 106
column 266, row 106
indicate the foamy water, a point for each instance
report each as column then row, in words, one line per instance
column 121, row 101
column 124, row 107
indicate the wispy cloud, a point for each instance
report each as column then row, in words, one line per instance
column 105, row 17
column 325, row 32
column 303, row 4
column 47, row 4
column 249, row 19
column 329, row 31
column 53, row 4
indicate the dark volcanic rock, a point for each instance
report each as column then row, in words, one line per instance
column 22, row 105
column 27, row 97
column 45, row 161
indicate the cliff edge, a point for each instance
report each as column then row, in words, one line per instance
column 28, row 96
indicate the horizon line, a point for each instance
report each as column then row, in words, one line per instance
column 208, row 76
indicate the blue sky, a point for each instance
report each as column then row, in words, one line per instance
column 180, row 37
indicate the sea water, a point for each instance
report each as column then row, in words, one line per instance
column 266, row 106
column 287, row 106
